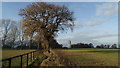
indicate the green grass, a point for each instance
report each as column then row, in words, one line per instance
column 38, row 61
column 90, row 56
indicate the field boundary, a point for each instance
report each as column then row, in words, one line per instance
column 33, row 55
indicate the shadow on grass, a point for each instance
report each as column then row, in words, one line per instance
column 37, row 62
column 107, row 51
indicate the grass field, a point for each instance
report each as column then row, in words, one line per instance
column 90, row 56
column 80, row 57
column 11, row 53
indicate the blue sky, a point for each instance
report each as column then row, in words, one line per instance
column 96, row 22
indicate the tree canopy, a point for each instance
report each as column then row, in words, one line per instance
column 44, row 20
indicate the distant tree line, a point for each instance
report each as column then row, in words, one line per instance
column 90, row 45
column 82, row 45
column 114, row 46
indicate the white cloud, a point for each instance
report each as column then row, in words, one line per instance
column 104, row 35
column 93, row 22
column 107, row 9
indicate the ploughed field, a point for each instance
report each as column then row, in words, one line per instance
column 89, row 56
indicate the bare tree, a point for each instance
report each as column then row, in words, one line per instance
column 31, row 39
column 45, row 20
column 6, row 25
column 13, row 34
column 20, row 33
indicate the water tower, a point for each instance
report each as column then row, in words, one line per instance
column 69, row 44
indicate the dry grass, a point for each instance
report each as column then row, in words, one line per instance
column 90, row 57
column 11, row 53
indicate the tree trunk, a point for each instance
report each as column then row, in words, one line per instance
column 30, row 44
column 38, row 47
column 45, row 44
column 3, row 42
column 21, row 44
column 13, row 43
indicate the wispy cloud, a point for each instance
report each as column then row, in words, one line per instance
column 93, row 22
column 106, row 10
column 104, row 35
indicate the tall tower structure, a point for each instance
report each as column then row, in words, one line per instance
column 69, row 44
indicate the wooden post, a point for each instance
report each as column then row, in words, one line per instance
column 10, row 63
column 31, row 57
column 35, row 54
column 21, row 61
column 27, row 59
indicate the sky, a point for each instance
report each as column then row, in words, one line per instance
column 95, row 22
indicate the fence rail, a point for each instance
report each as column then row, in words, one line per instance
column 33, row 55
